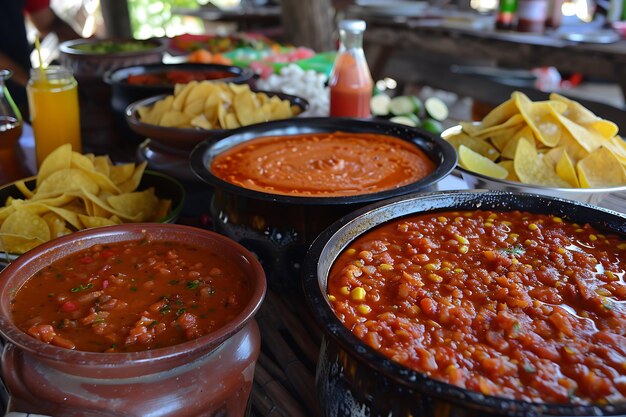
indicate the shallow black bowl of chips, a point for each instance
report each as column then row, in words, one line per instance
column 165, row 187
column 354, row 379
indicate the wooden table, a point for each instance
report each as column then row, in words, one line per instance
column 386, row 36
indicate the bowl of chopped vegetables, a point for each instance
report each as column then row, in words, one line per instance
column 93, row 57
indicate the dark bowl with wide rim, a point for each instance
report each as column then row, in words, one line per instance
column 280, row 228
column 187, row 138
column 352, row 377
column 124, row 93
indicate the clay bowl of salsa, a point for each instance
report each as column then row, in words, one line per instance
column 132, row 320
column 290, row 179
column 132, row 83
column 479, row 303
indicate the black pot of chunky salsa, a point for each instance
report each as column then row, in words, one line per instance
column 473, row 303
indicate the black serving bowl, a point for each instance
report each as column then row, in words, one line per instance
column 123, row 93
column 280, row 228
column 165, row 187
column 185, row 139
column 353, row 377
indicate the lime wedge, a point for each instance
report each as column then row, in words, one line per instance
column 475, row 162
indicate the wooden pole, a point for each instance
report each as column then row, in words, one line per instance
column 116, row 18
column 309, row 23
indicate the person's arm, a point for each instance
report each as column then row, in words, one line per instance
column 20, row 75
column 46, row 21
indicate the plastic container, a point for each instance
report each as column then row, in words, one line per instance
column 350, row 80
column 54, row 110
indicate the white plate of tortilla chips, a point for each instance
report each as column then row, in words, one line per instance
column 554, row 147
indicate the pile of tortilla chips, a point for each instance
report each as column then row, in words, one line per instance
column 555, row 143
column 215, row 105
column 74, row 192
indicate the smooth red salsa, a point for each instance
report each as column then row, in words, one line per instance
column 131, row 296
column 323, row 164
column 512, row 304
column 176, row 77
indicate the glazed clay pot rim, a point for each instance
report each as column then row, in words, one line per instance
column 204, row 153
column 364, row 219
column 111, row 77
column 71, row 243
column 68, row 48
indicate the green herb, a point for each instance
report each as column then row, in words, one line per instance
column 192, row 285
column 195, row 306
column 99, row 320
column 58, row 275
column 61, row 324
column 165, row 309
column 515, row 330
column 180, row 311
column 82, row 287
column 515, row 250
column 606, row 303
column 133, row 289
column 154, row 323
column 203, row 316
column 113, row 346
column 174, row 282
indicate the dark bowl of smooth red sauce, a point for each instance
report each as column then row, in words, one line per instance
column 471, row 303
column 156, row 312
column 277, row 185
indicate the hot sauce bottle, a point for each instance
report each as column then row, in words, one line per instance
column 350, row 79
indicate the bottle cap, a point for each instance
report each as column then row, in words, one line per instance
column 352, row 25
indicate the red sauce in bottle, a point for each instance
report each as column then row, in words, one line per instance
column 350, row 80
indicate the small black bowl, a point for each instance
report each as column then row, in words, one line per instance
column 352, row 377
column 123, row 93
column 165, row 187
column 280, row 228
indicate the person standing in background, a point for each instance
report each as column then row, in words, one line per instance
column 14, row 47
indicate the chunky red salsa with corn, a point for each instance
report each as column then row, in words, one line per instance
column 512, row 304
column 131, row 296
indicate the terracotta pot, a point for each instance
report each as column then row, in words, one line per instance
column 211, row 375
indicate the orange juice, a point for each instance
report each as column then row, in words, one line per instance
column 54, row 112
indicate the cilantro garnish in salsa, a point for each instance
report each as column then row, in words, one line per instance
column 131, row 296
column 511, row 304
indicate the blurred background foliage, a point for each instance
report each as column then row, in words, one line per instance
column 154, row 18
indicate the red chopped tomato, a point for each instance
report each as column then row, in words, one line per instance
column 513, row 304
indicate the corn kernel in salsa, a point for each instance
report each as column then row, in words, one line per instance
column 516, row 305
column 131, row 296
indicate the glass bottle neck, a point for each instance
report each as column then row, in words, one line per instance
column 350, row 40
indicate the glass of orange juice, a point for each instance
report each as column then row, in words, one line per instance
column 54, row 113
